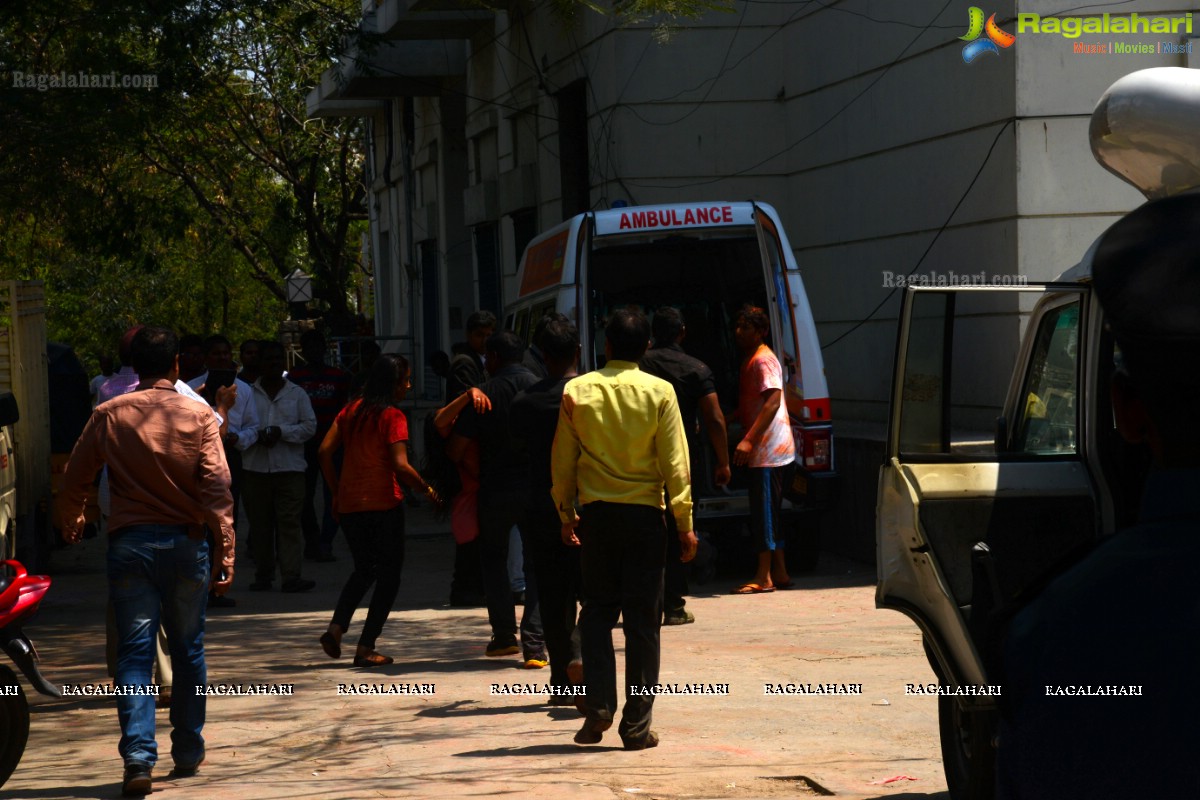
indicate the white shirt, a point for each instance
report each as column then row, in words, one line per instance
column 292, row 412
column 243, row 419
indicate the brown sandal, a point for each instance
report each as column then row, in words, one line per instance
column 330, row 645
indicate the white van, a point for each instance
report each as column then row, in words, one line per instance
column 708, row 260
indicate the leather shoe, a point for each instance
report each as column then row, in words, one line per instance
column 297, row 585
column 651, row 740
column 592, row 731
column 137, row 781
column 187, row 770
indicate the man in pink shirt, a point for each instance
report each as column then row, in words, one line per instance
column 766, row 449
column 168, row 479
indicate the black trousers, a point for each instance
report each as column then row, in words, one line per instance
column 624, row 548
column 556, row 567
column 498, row 513
column 376, row 540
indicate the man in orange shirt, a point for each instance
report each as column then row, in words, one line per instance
column 168, row 479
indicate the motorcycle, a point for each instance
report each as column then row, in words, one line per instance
column 20, row 595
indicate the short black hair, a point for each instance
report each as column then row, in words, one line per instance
column 539, row 329
column 189, row 340
column 270, row 346
column 250, row 342
column 507, row 345
column 667, row 325
column 214, row 340
column 481, row 319
column 756, row 318
column 628, row 333
column 559, row 339
column 152, row 352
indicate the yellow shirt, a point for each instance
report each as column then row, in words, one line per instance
column 620, row 439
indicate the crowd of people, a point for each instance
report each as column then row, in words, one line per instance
column 572, row 473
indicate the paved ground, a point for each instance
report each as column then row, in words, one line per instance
column 464, row 742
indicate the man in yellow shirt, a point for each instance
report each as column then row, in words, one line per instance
column 619, row 440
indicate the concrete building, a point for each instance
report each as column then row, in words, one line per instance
column 884, row 152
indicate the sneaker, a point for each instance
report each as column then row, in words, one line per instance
column 137, row 781
column 535, row 661
column 297, row 585
column 680, row 617
column 507, row 647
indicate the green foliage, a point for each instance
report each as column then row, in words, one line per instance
column 186, row 203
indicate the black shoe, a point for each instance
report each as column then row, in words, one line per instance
column 651, row 740
column 187, row 770
column 221, row 601
column 325, row 558
column 297, row 585
column 505, row 647
column 137, row 781
column 260, row 586
column 592, row 731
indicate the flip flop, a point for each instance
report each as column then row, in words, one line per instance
column 752, row 588
column 786, row 585
column 330, row 645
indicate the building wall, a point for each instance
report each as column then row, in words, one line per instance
column 884, row 153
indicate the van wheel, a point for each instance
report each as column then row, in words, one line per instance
column 14, row 723
column 803, row 531
column 968, row 755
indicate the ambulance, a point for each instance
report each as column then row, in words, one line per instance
column 708, row 260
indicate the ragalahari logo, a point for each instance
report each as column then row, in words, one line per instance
column 996, row 38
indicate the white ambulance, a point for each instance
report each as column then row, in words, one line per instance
column 708, row 260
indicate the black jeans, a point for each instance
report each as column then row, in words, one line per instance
column 624, row 547
column 318, row 539
column 376, row 540
column 556, row 571
column 498, row 513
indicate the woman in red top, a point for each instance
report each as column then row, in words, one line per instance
column 373, row 433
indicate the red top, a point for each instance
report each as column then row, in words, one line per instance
column 368, row 481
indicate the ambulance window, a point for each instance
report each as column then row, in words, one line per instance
column 522, row 326
column 1047, row 409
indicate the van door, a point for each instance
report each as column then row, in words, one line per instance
column 974, row 513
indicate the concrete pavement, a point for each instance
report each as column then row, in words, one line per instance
column 463, row 741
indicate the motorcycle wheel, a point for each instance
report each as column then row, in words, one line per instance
column 14, row 723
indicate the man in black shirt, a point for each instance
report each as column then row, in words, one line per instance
column 695, row 391
column 502, row 473
column 534, row 418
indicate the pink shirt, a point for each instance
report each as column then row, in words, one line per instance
column 761, row 373
column 165, row 463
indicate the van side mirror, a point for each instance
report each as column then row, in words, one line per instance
column 1001, row 435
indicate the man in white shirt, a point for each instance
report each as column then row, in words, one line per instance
column 273, row 471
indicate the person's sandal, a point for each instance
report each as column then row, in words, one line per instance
column 330, row 645
column 373, row 659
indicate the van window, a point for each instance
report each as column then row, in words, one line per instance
column 708, row 279
column 1048, row 411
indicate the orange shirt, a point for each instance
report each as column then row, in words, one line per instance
column 368, row 480
column 166, row 465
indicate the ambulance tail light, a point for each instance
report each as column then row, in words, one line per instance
column 818, row 449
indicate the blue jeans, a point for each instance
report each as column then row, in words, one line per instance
column 156, row 571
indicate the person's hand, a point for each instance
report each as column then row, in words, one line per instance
column 219, row 586
column 721, row 476
column 269, row 435
column 225, row 399
column 741, row 454
column 72, row 526
column 439, row 504
column 568, row 533
column 687, row 545
column 479, row 400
